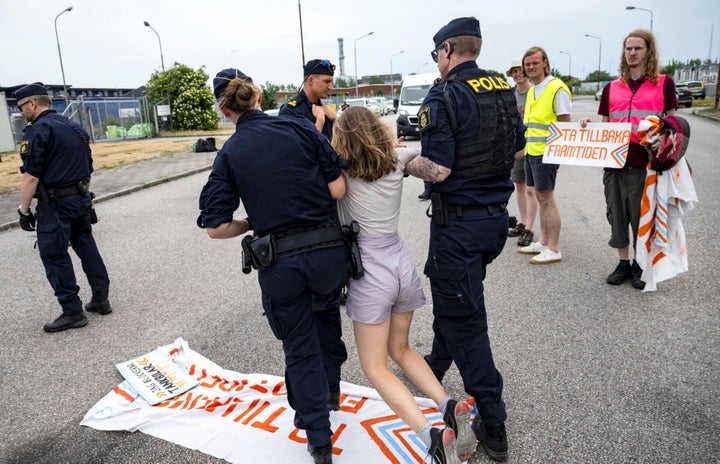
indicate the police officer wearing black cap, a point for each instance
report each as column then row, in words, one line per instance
column 288, row 178
column 317, row 84
column 470, row 132
column 56, row 168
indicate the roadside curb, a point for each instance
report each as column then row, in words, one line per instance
column 110, row 196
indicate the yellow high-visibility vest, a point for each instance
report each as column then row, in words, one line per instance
column 539, row 114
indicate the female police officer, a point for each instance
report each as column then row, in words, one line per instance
column 288, row 179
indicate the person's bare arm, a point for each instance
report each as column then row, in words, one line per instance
column 425, row 169
column 337, row 188
column 230, row 229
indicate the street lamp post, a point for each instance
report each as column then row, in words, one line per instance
column 599, row 57
column 62, row 70
column 422, row 66
column 570, row 66
column 643, row 9
column 162, row 61
column 355, row 53
column 392, row 88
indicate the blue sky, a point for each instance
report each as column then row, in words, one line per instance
column 105, row 44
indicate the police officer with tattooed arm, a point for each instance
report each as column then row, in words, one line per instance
column 288, row 178
column 470, row 132
column 56, row 169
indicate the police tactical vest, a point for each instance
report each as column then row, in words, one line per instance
column 494, row 148
column 626, row 106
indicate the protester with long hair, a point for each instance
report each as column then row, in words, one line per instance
column 381, row 303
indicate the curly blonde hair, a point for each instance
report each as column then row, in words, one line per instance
column 652, row 67
column 360, row 137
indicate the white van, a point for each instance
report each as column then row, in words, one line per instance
column 412, row 93
column 366, row 102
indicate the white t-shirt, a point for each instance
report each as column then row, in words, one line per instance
column 376, row 205
column 562, row 102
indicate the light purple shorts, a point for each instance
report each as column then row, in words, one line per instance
column 391, row 283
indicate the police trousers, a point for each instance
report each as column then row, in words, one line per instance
column 457, row 260
column 60, row 225
column 300, row 296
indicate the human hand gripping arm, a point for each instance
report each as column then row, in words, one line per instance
column 319, row 114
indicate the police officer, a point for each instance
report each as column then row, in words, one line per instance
column 297, row 245
column 317, row 84
column 470, row 132
column 56, row 168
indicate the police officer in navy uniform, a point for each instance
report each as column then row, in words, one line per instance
column 317, row 84
column 470, row 133
column 56, row 168
column 288, row 178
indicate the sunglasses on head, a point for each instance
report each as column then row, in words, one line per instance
column 325, row 63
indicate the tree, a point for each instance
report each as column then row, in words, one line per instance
column 376, row 80
column 593, row 76
column 341, row 83
column 186, row 90
column 268, row 96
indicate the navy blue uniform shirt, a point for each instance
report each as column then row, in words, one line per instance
column 438, row 143
column 301, row 107
column 56, row 150
column 280, row 168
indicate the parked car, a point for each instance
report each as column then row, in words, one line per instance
column 684, row 95
column 390, row 107
column 598, row 94
column 696, row 87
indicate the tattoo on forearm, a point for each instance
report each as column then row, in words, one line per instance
column 425, row 169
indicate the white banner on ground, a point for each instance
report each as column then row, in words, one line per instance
column 599, row 144
column 232, row 416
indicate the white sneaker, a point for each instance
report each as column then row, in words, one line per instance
column 532, row 249
column 546, row 257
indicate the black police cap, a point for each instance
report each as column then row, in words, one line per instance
column 31, row 90
column 223, row 78
column 319, row 67
column 457, row 27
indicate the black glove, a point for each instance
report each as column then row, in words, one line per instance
column 27, row 221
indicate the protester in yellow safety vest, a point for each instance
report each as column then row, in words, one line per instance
column 548, row 100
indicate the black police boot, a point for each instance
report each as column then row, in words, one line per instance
column 512, row 222
column 637, row 281
column 621, row 273
column 101, row 307
column 66, row 322
column 425, row 195
column 492, row 439
column 333, row 398
column 322, row 454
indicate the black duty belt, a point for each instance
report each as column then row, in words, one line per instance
column 67, row 191
column 309, row 240
column 491, row 209
column 264, row 251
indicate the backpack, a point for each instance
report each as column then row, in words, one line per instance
column 200, row 146
column 210, row 144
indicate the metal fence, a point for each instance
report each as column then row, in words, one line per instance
column 113, row 118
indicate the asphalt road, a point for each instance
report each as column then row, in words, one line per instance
column 593, row 373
